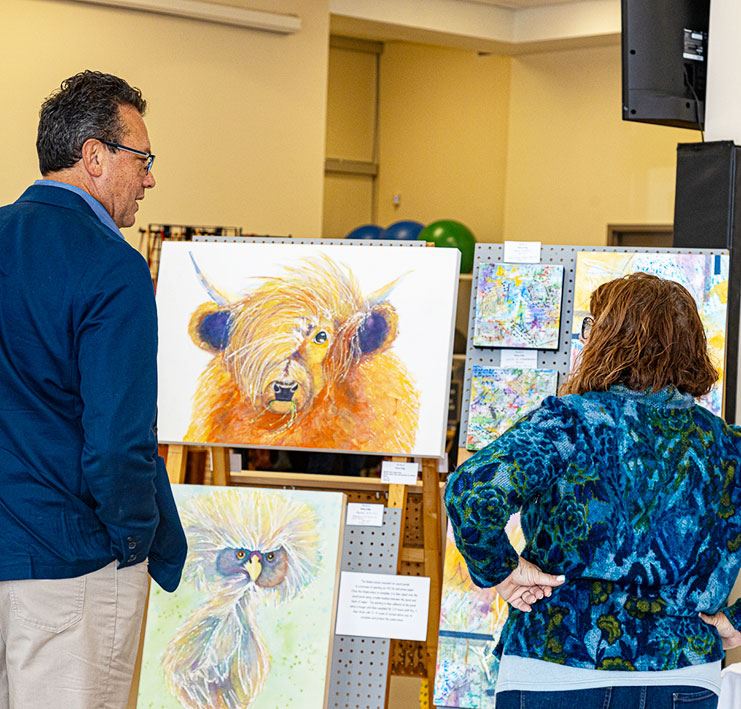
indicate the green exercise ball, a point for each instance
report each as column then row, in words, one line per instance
column 448, row 233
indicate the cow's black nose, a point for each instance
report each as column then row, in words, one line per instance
column 284, row 391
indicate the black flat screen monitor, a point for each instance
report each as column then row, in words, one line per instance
column 664, row 45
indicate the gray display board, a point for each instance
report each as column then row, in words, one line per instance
column 554, row 359
column 360, row 666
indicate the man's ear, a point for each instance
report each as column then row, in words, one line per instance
column 210, row 327
column 93, row 157
column 377, row 331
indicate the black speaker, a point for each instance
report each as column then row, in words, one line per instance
column 707, row 215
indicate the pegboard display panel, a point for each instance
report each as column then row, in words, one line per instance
column 412, row 534
column 547, row 359
column 373, row 550
column 360, row 666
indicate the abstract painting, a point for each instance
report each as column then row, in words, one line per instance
column 705, row 276
column 518, row 305
column 251, row 623
column 471, row 621
column 501, row 396
column 318, row 347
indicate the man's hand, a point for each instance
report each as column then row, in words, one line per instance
column 728, row 634
column 526, row 585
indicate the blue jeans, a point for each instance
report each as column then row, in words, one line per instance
column 612, row 698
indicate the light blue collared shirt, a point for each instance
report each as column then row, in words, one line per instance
column 97, row 207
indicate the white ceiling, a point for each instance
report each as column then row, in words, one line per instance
column 520, row 4
column 481, row 25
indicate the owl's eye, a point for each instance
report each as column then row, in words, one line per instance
column 270, row 556
column 240, row 555
column 321, row 337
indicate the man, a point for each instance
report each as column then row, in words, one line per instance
column 85, row 501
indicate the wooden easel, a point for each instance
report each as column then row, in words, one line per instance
column 176, row 462
column 431, row 557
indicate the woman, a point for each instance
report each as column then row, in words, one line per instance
column 631, row 506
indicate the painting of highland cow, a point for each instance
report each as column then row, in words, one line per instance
column 275, row 345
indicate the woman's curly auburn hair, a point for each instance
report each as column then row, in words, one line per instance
column 647, row 334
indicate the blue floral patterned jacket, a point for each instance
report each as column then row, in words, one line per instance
column 636, row 498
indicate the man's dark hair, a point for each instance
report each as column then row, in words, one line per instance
column 85, row 106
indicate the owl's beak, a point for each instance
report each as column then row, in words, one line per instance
column 254, row 568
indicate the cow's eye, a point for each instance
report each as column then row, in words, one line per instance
column 321, row 337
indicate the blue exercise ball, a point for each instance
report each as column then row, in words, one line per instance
column 403, row 231
column 367, row 231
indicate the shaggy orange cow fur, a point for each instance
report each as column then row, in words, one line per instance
column 304, row 361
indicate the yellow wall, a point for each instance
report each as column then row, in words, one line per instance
column 236, row 117
column 573, row 164
column 530, row 147
column 443, row 136
column 351, row 104
column 351, row 127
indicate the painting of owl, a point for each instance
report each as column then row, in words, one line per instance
column 250, row 551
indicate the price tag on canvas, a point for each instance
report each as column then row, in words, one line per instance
column 522, row 251
column 519, row 359
column 399, row 473
column 363, row 514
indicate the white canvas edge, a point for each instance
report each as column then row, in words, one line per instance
column 335, row 598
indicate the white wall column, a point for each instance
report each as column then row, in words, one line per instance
column 723, row 100
column 723, row 97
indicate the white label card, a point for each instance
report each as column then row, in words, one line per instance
column 383, row 606
column 522, row 251
column 519, row 359
column 399, row 473
column 363, row 514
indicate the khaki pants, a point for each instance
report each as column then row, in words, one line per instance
column 71, row 643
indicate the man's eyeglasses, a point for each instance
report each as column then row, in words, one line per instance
column 586, row 327
column 149, row 157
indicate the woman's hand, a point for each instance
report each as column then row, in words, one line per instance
column 526, row 585
column 728, row 634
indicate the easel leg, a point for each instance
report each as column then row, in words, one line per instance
column 433, row 563
column 220, row 466
column 398, row 501
column 175, row 463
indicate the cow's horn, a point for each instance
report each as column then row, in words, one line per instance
column 378, row 296
column 216, row 295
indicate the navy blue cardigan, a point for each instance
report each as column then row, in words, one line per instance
column 81, row 483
